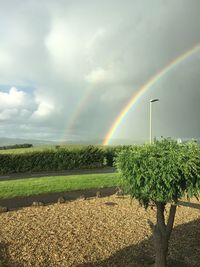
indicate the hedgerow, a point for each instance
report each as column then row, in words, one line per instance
column 58, row 159
column 111, row 153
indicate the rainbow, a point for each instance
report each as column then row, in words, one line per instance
column 140, row 92
column 79, row 110
column 80, row 107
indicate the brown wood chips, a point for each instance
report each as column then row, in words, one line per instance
column 111, row 231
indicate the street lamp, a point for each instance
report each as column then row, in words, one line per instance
column 150, row 119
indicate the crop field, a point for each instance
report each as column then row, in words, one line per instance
column 41, row 148
column 111, row 231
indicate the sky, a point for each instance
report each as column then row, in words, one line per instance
column 68, row 68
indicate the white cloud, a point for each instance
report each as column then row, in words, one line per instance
column 44, row 109
column 65, row 44
column 15, row 105
column 13, row 99
column 45, row 105
column 62, row 42
column 97, row 75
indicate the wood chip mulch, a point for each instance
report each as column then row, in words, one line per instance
column 110, row 231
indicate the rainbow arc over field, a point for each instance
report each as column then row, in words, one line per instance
column 147, row 85
column 81, row 105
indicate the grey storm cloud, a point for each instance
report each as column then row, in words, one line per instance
column 64, row 49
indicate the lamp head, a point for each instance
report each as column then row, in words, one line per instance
column 154, row 100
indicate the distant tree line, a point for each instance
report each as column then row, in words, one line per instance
column 16, row 146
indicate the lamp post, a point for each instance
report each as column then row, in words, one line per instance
column 150, row 119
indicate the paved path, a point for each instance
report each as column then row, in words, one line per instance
column 58, row 173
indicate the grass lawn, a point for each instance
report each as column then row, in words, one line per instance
column 36, row 186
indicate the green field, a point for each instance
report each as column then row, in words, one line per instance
column 40, row 148
column 52, row 184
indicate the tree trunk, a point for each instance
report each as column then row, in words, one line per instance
column 161, row 247
column 162, row 234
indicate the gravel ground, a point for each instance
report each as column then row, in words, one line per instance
column 111, row 231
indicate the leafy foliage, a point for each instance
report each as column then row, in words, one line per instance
column 52, row 160
column 162, row 172
column 58, row 158
column 111, row 153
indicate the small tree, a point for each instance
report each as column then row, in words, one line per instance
column 161, row 173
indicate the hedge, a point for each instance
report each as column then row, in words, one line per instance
column 111, row 153
column 58, row 159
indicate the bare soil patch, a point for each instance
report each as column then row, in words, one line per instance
column 110, row 231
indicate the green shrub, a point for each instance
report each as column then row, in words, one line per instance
column 111, row 153
column 161, row 173
column 52, row 160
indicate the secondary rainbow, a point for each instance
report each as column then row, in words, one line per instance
column 136, row 96
column 81, row 106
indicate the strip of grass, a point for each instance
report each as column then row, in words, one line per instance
column 36, row 186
